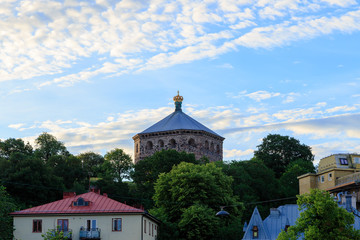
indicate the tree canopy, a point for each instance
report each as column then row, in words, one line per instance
column 278, row 151
column 189, row 191
column 7, row 205
column 321, row 218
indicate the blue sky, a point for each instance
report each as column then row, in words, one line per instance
column 95, row 73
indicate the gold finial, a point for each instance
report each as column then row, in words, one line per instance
column 178, row 98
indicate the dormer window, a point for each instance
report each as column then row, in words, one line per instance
column 343, row 161
column 255, row 231
column 81, row 202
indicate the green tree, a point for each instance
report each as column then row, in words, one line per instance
column 91, row 162
column 30, row 181
column 289, row 182
column 147, row 171
column 13, row 145
column 7, row 205
column 253, row 182
column 188, row 189
column 321, row 218
column 199, row 222
column 48, row 146
column 120, row 162
column 278, row 151
column 53, row 234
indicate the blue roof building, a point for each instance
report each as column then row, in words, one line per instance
column 285, row 216
column 180, row 132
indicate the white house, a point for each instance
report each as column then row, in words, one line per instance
column 84, row 217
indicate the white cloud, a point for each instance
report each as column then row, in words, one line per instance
column 16, row 126
column 44, row 38
column 236, row 153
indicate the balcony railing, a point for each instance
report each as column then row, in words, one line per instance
column 355, row 177
column 92, row 233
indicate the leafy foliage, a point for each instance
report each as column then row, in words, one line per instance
column 146, row 171
column 189, row 188
column 53, row 234
column 321, row 218
column 7, row 205
column 120, row 162
column 278, row 151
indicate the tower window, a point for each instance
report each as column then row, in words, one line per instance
column 192, row 142
column 161, row 143
column 149, row 145
column 137, row 148
column 206, row 145
column 172, row 143
column 217, row 149
column 212, row 146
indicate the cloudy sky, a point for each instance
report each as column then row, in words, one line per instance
column 95, row 73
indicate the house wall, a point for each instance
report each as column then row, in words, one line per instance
column 132, row 226
column 322, row 181
column 306, row 183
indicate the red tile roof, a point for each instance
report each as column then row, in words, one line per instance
column 98, row 204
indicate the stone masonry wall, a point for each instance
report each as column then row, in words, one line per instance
column 198, row 142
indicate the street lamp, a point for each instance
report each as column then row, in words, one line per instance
column 222, row 212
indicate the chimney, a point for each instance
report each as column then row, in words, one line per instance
column 105, row 195
column 68, row 194
column 274, row 212
column 348, row 202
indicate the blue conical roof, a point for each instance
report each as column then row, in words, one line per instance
column 178, row 121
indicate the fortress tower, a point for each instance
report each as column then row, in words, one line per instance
column 180, row 132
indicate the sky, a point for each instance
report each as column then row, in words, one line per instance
column 95, row 73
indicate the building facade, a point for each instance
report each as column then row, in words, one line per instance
column 336, row 173
column 180, row 132
column 281, row 218
column 88, row 216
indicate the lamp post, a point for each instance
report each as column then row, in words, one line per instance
column 222, row 212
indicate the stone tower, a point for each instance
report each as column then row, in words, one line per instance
column 180, row 132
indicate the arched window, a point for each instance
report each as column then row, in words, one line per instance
column 81, row 202
column 206, row 144
column 286, row 228
column 191, row 142
column 172, row 143
column 217, row 149
column 212, row 146
column 161, row 143
column 137, row 148
column 149, row 145
column 255, row 231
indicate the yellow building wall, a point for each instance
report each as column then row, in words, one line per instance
column 132, row 228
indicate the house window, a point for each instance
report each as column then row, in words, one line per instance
column 37, row 226
column 255, row 231
column 343, row 161
column 144, row 226
column 91, row 225
column 149, row 228
column 63, row 225
column 330, row 176
column 152, row 230
column 322, row 179
column 117, row 224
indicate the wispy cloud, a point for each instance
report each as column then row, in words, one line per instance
column 47, row 38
